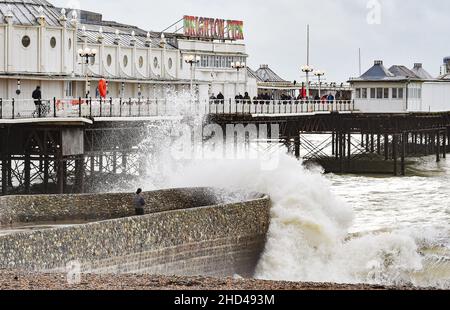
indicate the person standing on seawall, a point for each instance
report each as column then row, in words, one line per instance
column 139, row 202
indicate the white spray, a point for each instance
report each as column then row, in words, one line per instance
column 309, row 232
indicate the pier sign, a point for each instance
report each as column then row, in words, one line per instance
column 213, row 28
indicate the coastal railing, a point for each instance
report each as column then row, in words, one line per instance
column 138, row 107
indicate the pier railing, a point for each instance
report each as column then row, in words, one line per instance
column 138, row 107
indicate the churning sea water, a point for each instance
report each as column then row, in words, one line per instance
column 333, row 228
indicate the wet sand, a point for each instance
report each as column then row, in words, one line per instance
column 31, row 281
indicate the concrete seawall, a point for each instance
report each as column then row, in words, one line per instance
column 184, row 232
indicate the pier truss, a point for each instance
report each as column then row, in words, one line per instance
column 70, row 158
column 357, row 142
column 80, row 155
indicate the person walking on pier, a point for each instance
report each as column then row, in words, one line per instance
column 37, row 96
column 139, row 202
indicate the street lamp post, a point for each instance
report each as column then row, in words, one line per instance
column 319, row 75
column 192, row 61
column 237, row 66
column 307, row 69
column 86, row 55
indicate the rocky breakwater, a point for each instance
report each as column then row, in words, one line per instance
column 184, row 232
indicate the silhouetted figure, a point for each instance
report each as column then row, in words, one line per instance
column 37, row 96
column 220, row 96
column 139, row 202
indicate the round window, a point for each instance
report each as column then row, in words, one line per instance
column 70, row 44
column 53, row 42
column 155, row 62
column 141, row 62
column 170, row 63
column 26, row 41
column 125, row 60
column 109, row 60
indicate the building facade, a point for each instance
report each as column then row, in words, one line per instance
column 399, row 89
column 40, row 44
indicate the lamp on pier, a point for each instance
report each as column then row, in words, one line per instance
column 192, row 61
column 238, row 66
column 307, row 69
column 319, row 75
column 87, row 55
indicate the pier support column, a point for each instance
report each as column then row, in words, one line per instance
column 297, row 146
column 386, row 147
column 403, row 153
column 336, row 147
column 394, row 152
column 79, row 174
column 5, row 165
column 372, row 144
column 125, row 164
column 332, row 143
column 4, row 175
column 367, row 143
column 341, row 151
column 349, row 147
column 59, row 163
column 379, row 144
column 46, row 173
column 438, row 145
column 444, row 144
column 114, row 162
column 27, row 172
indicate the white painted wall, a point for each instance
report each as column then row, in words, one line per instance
column 52, row 56
column 24, row 59
column 2, row 48
column 436, row 96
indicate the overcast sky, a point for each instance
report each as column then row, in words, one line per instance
column 406, row 31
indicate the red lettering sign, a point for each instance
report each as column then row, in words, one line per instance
column 210, row 28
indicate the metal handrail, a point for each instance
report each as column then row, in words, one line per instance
column 146, row 107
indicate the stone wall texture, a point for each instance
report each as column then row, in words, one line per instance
column 184, row 232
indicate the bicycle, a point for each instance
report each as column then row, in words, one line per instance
column 44, row 108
